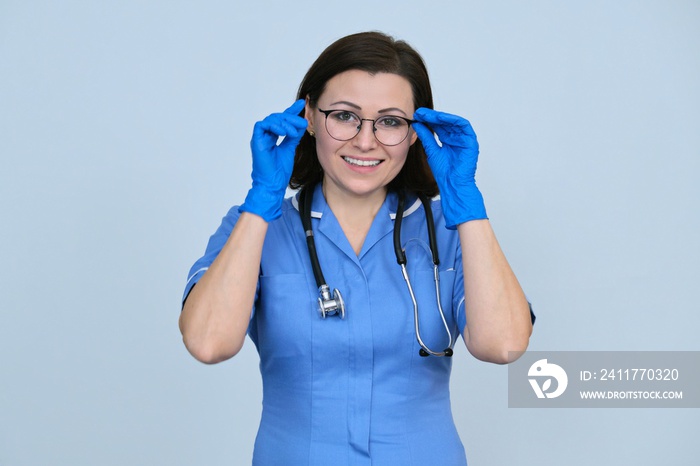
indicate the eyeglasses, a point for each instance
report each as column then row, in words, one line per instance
column 343, row 125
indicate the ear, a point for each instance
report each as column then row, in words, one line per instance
column 414, row 137
column 309, row 115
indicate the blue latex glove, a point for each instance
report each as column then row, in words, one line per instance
column 272, row 162
column 453, row 163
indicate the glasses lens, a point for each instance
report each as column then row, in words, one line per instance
column 342, row 125
column 391, row 130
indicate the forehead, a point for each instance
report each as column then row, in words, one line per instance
column 369, row 91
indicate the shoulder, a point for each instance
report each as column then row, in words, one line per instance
column 288, row 224
column 438, row 215
column 290, row 214
column 415, row 206
column 289, row 211
column 441, row 230
column 290, row 206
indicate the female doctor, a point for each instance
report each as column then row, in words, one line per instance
column 365, row 379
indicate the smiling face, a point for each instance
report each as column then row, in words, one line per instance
column 361, row 166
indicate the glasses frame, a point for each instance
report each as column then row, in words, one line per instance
column 362, row 120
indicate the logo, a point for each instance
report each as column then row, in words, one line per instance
column 543, row 370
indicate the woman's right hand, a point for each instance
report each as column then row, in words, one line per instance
column 273, row 162
column 216, row 314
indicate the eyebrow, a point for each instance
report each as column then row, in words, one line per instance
column 391, row 109
column 355, row 106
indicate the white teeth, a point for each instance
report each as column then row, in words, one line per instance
column 362, row 163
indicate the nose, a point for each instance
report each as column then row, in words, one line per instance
column 365, row 139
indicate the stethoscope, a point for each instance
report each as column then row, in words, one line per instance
column 335, row 306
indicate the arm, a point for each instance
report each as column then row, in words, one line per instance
column 216, row 313
column 215, row 316
column 497, row 313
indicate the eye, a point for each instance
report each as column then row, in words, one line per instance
column 343, row 116
column 391, row 122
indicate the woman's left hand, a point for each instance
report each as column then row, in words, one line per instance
column 453, row 163
column 497, row 313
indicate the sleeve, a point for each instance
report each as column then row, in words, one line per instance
column 460, row 316
column 216, row 243
column 533, row 317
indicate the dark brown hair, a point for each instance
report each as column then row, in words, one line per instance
column 373, row 52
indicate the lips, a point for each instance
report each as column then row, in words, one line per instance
column 361, row 163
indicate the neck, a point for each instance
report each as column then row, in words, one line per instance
column 352, row 208
column 354, row 213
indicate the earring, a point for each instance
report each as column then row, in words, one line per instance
column 311, row 133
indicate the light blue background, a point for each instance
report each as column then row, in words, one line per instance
column 124, row 131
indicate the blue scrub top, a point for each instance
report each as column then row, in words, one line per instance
column 353, row 391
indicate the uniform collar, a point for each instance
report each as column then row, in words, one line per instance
column 382, row 225
column 319, row 205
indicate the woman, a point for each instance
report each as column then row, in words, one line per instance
column 344, row 377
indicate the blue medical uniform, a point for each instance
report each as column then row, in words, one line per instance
column 353, row 391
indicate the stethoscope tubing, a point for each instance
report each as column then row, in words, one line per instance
column 401, row 259
column 327, row 305
column 305, row 210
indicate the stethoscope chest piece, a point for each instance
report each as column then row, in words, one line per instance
column 328, row 306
